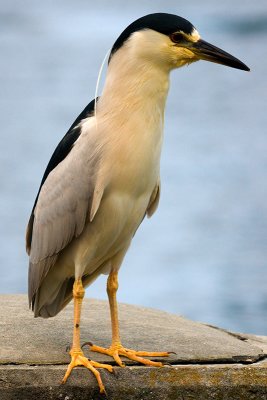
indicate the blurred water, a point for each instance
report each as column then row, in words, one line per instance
column 204, row 252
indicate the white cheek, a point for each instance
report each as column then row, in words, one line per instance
column 149, row 45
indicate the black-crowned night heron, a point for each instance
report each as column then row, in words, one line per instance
column 104, row 177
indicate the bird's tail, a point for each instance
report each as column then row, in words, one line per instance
column 50, row 299
column 55, row 302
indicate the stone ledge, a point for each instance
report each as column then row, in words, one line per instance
column 209, row 363
column 188, row 382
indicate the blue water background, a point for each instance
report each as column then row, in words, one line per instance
column 204, row 253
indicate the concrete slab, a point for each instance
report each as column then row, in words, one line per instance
column 210, row 363
column 183, row 382
column 28, row 340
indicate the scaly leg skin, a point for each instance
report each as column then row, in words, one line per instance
column 116, row 349
column 77, row 356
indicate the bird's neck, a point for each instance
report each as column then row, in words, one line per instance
column 134, row 86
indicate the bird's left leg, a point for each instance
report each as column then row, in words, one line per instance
column 77, row 356
column 116, row 349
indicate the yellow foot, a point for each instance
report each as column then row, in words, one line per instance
column 78, row 359
column 118, row 350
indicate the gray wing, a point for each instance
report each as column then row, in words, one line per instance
column 63, row 206
column 62, row 150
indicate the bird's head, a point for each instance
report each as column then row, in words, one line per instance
column 169, row 41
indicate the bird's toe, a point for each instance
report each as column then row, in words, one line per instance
column 78, row 359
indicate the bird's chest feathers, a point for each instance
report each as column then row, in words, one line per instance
column 137, row 153
column 132, row 108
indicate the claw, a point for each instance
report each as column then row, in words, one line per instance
column 87, row 343
column 168, row 364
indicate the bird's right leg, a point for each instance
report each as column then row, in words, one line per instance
column 77, row 356
column 117, row 349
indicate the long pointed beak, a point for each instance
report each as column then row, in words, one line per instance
column 206, row 51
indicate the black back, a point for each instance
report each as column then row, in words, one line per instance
column 61, row 152
column 159, row 22
column 66, row 143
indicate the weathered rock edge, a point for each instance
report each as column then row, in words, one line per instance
column 200, row 382
column 210, row 363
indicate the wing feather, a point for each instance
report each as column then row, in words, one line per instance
column 62, row 207
column 60, row 153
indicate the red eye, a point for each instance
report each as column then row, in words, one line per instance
column 177, row 37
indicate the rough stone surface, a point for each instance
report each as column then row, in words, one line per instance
column 28, row 340
column 210, row 363
column 187, row 382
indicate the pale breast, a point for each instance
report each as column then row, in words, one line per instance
column 112, row 229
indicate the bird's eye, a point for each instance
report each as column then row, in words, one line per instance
column 177, row 37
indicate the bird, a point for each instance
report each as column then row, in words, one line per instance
column 103, row 178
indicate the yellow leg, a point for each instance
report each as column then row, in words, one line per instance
column 112, row 287
column 77, row 356
column 116, row 349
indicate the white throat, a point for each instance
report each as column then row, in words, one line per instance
column 134, row 84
